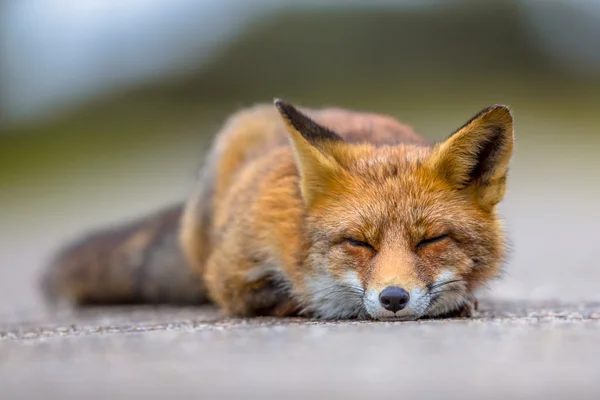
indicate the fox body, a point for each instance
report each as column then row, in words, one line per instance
column 328, row 213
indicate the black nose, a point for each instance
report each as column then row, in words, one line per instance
column 394, row 298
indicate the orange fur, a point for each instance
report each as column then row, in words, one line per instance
column 317, row 211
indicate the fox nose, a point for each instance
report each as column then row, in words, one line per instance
column 394, row 298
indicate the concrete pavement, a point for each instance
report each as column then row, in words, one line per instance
column 514, row 349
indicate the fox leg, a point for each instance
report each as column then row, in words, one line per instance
column 467, row 310
column 242, row 287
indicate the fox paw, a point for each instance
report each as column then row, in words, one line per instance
column 467, row 310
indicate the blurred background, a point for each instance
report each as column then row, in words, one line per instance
column 107, row 106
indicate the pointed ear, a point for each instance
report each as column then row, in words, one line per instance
column 312, row 144
column 477, row 156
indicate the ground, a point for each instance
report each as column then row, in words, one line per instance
column 515, row 349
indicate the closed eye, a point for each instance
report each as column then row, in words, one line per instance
column 432, row 240
column 358, row 243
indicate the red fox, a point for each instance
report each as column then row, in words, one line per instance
column 331, row 213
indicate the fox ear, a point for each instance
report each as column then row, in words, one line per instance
column 476, row 157
column 312, row 144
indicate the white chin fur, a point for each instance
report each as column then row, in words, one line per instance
column 345, row 298
column 335, row 298
column 453, row 297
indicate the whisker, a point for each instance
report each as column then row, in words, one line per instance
column 440, row 291
column 445, row 283
column 436, row 297
column 329, row 288
column 345, row 288
column 433, row 303
column 336, row 290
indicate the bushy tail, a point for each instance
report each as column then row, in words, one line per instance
column 136, row 263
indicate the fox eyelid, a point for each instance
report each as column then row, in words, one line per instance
column 359, row 243
column 432, row 240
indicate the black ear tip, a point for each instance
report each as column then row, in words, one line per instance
column 280, row 104
column 284, row 107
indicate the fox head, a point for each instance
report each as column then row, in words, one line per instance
column 401, row 231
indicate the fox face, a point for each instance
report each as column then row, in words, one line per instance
column 400, row 232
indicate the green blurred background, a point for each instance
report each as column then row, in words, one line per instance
column 107, row 108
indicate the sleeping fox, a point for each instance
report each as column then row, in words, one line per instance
column 329, row 213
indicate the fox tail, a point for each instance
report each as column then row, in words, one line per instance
column 140, row 262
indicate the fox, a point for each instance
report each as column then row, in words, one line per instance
column 326, row 213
